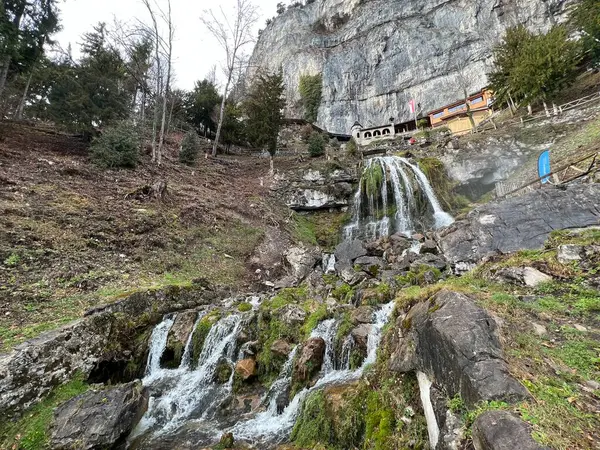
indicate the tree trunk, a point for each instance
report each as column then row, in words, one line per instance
column 4, row 74
column 546, row 109
column 529, row 110
column 221, row 114
column 271, row 166
column 21, row 107
column 469, row 113
column 166, row 91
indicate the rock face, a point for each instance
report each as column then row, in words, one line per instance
column 455, row 343
column 99, row 419
column 502, row 430
column 178, row 337
column 309, row 190
column 519, row 223
column 375, row 56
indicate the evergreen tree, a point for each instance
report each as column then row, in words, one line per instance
column 234, row 130
column 264, row 108
column 534, row 68
column 585, row 18
column 201, row 105
column 93, row 93
column 310, row 88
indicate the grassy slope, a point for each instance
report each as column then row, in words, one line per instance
column 70, row 240
column 560, row 367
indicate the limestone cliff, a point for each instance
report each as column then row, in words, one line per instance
column 376, row 55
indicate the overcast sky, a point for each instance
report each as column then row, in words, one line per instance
column 195, row 51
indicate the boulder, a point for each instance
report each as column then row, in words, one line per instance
column 428, row 259
column 362, row 314
column 177, row 338
column 527, row 276
column 370, row 264
column 502, row 430
column 245, row 368
column 568, row 253
column 518, row 223
column 360, row 334
column 310, row 360
column 429, row 246
column 349, row 250
column 301, row 261
column 291, row 314
column 281, row 348
column 456, row 343
column 374, row 248
column 98, row 419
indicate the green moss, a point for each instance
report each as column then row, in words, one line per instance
column 442, row 185
column 303, row 229
column 200, row 333
column 371, row 180
column 344, row 293
column 456, row 404
column 380, row 422
column 31, row 431
column 313, row 320
column 285, row 297
column 244, row 307
column 314, row 424
column 416, row 276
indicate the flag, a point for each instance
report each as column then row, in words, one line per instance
column 411, row 104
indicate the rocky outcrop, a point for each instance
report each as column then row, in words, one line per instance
column 99, row 419
column 245, row 368
column 314, row 189
column 502, row 430
column 375, row 56
column 177, row 339
column 455, row 342
column 32, row 369
column 519, row 223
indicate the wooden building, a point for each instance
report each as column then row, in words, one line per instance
column 454, row 116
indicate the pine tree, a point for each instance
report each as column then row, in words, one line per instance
column 585, row 18
column 534, row 68
column 200, row 105
column 264, row 107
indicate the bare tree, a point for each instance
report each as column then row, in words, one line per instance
column 232, row 32
column 163, row 53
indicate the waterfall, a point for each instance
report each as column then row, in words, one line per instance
column 276, row 428
column 186, row 359
column 158, row 343
column 391, row 185
column 184, row 393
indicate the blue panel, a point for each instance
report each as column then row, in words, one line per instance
column 544, row 166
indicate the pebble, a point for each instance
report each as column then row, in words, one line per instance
column 580, row 327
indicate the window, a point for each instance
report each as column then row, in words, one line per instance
column 476, row 100
column 376, row 133
column 457, row 108
column 367, row 135
column 438, row 115
column 386, row 131
column 358, row 134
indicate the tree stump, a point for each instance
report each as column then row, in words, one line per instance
column 157, row 191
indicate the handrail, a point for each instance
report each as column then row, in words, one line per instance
column 566, row 166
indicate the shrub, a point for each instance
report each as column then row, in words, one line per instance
column 316, row 144
column 116, row 147
column 352, row 148
column 190, row 146
column 422, row 124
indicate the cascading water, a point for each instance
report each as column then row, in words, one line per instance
column 386, row 200
column 273, row 428
column 158, row 342
column 182, row 394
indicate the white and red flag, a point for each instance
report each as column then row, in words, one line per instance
column 411, row 104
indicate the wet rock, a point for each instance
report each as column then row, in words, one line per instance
column 568, row 253
column 360, row 334
column 429, row 246
column 310, row 360
column 370, row 264
column 362, row 314
column 223, row 372
column 519, row 223
column 418, row 237
column 349, row 250
column 349, row 275
column 527, row 276
column 246, row 368
column 502, row 430
column 281, row 348
column 301, row 261
column 98, row 419
column 283, row 398
column 178, row 337
column 428, row 259
column 291, row 314
column 374, row 248
column 456, row 343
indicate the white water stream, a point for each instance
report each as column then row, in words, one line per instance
column 183, row 396
column 373, row 218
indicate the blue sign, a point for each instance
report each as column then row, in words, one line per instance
column 544, row 166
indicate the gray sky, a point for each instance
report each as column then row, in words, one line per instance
column 195, row 51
